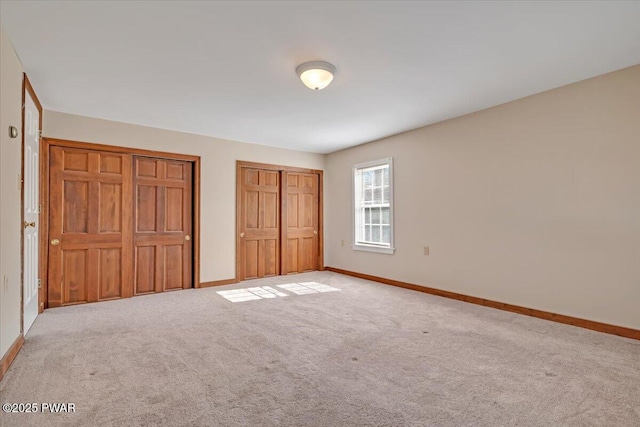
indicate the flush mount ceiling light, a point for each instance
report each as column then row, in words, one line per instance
column 316, row 75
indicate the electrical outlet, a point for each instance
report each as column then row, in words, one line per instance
column 426, row 250
column 5, row 283
column 341, row 242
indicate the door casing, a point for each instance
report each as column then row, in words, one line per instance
column 283, row 209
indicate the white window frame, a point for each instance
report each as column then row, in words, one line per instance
column 362, row 246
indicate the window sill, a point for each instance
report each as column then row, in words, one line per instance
column 367, row 248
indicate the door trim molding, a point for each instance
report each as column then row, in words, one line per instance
column 47, row 143
column 253, row 165
column 121, row 149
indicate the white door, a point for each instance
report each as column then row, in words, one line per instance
column 31, row 210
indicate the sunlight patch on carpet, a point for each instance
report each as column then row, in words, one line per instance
column 249, row 294
column 305, row 288
column 267, row 292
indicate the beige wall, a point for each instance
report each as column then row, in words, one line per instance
column 10, row 160
column 218, row 198
column 535, row 202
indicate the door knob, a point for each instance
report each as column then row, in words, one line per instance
column 187, row 237
column 55, row 242
column 29, row 224
column 315, row 232
column 241, row 234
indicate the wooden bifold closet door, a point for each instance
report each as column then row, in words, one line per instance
column 162, row 225
column 119, row 225
column 260, row 224
column 300, row 226
column 278, row 222
column 89, row 226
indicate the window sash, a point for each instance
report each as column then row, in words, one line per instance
column 372, row 198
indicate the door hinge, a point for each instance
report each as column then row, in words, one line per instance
column 39, row 208
column 40, row 133
column 39, row 283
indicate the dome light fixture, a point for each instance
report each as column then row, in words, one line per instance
column 316, row 75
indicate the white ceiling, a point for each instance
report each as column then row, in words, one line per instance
column 227, row 69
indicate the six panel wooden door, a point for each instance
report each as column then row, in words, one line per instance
column 259, row 243
column 301, row 231
column 90, row 204
column 162, row 231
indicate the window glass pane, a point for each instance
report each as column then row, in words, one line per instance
column 377, row 195
column 385, row 176
column 368, row 178
column 385, row 215
column 368, row 196
column 378, row 180
column 386, row 234
column 367, row 215
column 387, row 195
column 375, row 216
column 375, row 235
column 367, row 233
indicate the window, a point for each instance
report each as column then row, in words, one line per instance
column 373, row 206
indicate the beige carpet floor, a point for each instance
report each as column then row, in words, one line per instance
column 368, row 355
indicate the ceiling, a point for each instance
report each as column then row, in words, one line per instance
column 227, row 69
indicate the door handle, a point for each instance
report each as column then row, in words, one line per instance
column 55, row 242
column 29, row 224
column 187, row 237
column 315, row 232
column 241, row 234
